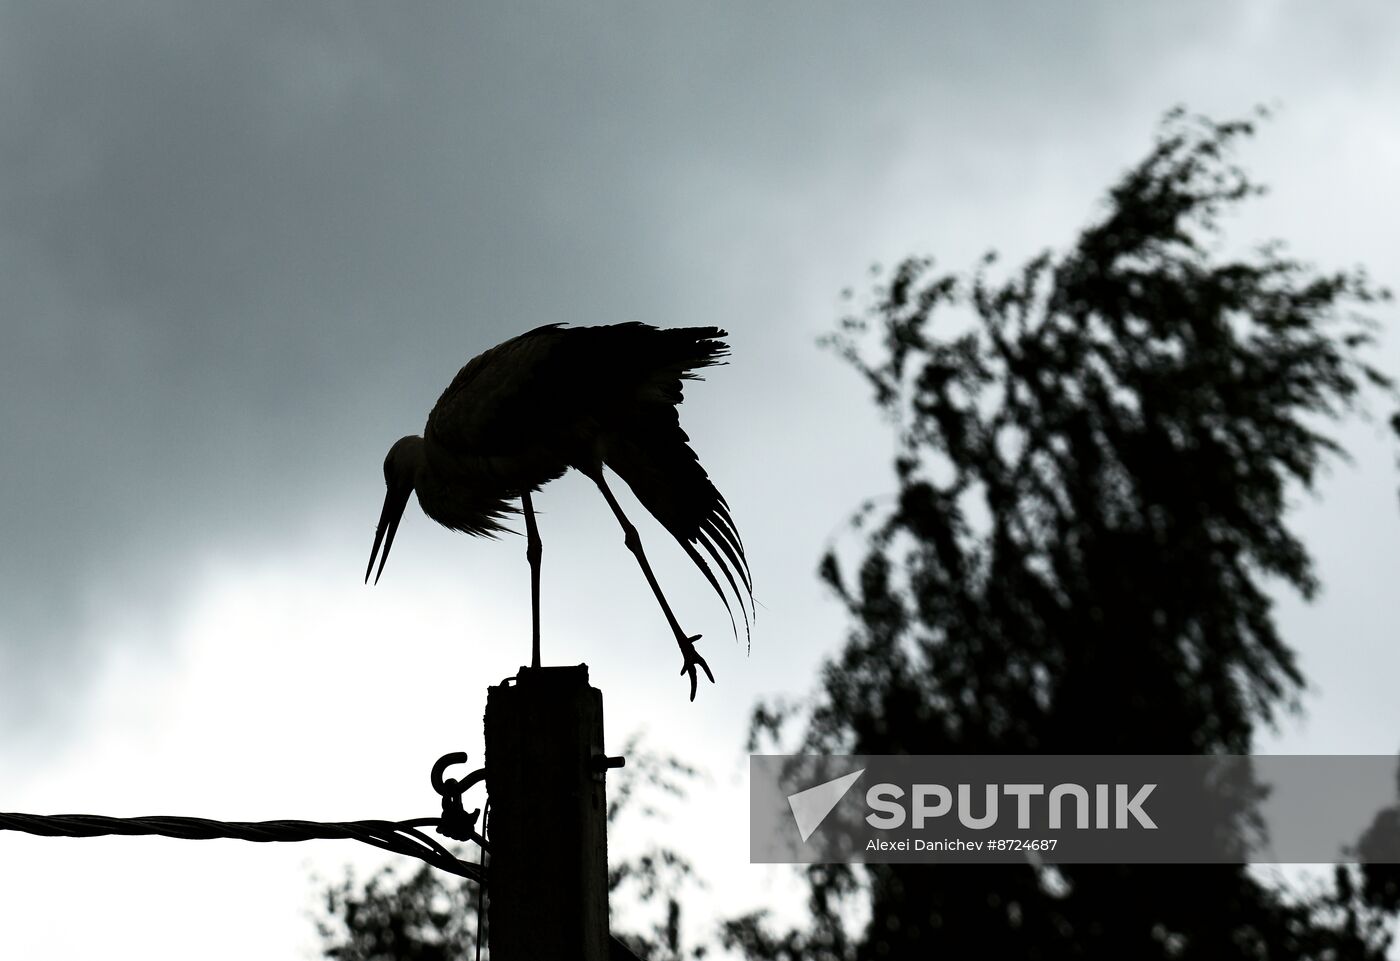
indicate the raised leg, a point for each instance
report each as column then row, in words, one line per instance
column 691, row 657
column 533, row 551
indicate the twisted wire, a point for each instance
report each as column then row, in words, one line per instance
column 400, row 837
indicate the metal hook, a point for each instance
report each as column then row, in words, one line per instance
column 443, row 763
column 449, row 787
column 457, row 823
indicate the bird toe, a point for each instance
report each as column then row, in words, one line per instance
column 692, row 660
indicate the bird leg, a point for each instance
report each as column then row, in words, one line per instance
column 691, row 657
column 533, row 551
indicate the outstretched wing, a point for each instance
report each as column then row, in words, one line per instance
column 648, row 449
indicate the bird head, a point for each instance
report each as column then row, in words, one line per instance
column 401, row 468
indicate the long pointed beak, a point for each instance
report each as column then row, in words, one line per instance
column 395, row 500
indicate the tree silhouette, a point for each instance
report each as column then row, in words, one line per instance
column 1095, row 458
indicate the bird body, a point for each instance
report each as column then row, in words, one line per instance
column 523, row 413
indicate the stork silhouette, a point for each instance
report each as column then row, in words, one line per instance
column 522, row 413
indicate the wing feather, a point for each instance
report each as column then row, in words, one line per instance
column 705, row 569
column 732, row 550
column 651, row 452
column 728, row 576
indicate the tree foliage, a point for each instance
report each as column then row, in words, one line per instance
column 1095, row 463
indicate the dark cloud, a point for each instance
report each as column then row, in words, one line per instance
column 243, row 246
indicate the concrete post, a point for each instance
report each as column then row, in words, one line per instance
column 548, row 891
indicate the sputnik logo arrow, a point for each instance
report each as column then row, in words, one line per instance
column 810, row 807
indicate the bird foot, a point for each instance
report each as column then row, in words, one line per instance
column 692, row 659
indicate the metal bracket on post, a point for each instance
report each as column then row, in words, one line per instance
column 602, row 764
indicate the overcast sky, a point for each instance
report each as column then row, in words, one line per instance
column 244, row 246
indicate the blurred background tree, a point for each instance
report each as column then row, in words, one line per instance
column 1094, row 465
